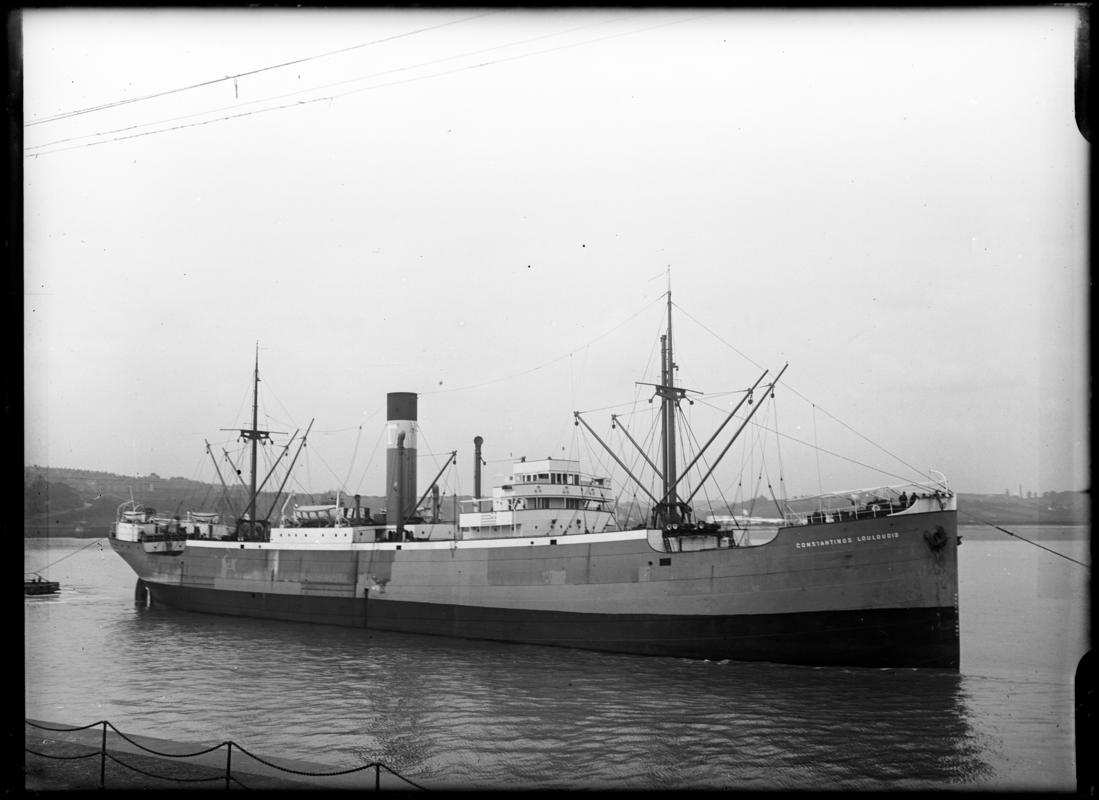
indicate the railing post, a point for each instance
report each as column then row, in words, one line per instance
column 377, row 776
column 103, row 758
column 228, row 764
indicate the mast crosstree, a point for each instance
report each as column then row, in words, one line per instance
column 247, row 523
column 670, row 510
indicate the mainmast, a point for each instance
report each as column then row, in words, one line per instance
column 255, row 425
column 669, row 510
column 669, row 401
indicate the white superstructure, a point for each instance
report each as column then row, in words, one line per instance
column 550, row 496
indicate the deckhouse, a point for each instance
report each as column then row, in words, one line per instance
column 550, row 496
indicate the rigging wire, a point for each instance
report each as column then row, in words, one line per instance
column 778, row 453
column 860, row 435
column 236, row 469
column 702, row 464
column 268, row 390
column 241, row 406
column 715, row 335
column 647, row 444
column 342, row 485
column 685, row 436
column 779, row 434
column 354, row 455
column 429, row 454
column 787, row 386
column 632, row 404
column 370, row 461
column 816, row 449
column 600, row 466
column 190, row 491
column 332, row 472
column 206, row 495
column 546, row 363
column 308, row 475
column 762, row 468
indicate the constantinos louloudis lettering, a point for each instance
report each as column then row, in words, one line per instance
column 870, row 537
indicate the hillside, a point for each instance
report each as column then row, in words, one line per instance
column 84, row 503
column 1051, row 508
column 72, row 502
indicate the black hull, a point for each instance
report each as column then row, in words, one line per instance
column 902, row 637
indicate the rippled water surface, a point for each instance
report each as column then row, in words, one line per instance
column 450, row 713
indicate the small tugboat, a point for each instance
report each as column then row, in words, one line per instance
column 33, row 583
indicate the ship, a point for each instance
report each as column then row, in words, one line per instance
column 864, row 578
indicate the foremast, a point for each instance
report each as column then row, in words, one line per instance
column 248, row 526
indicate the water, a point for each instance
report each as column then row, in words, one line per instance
column 454, row 714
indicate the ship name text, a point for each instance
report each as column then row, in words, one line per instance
column 869, row 537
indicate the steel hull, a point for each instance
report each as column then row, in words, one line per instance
column 872, row 592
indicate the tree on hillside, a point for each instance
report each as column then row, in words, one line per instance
column 41, row 496
column 34, row 496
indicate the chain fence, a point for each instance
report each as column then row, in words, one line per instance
column 227, row 777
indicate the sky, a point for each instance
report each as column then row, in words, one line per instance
column 488, row 207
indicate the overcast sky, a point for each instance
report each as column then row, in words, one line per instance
column 485, row 207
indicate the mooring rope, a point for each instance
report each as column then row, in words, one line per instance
column 97, row 540
column 1028, row 541
column 1043, row 547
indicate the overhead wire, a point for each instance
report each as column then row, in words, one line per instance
column 291, row 94
column 247, row 73
column 327, row 98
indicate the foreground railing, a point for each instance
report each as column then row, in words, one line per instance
column 227, row 777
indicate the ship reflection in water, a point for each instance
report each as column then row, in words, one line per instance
column 459, row 713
